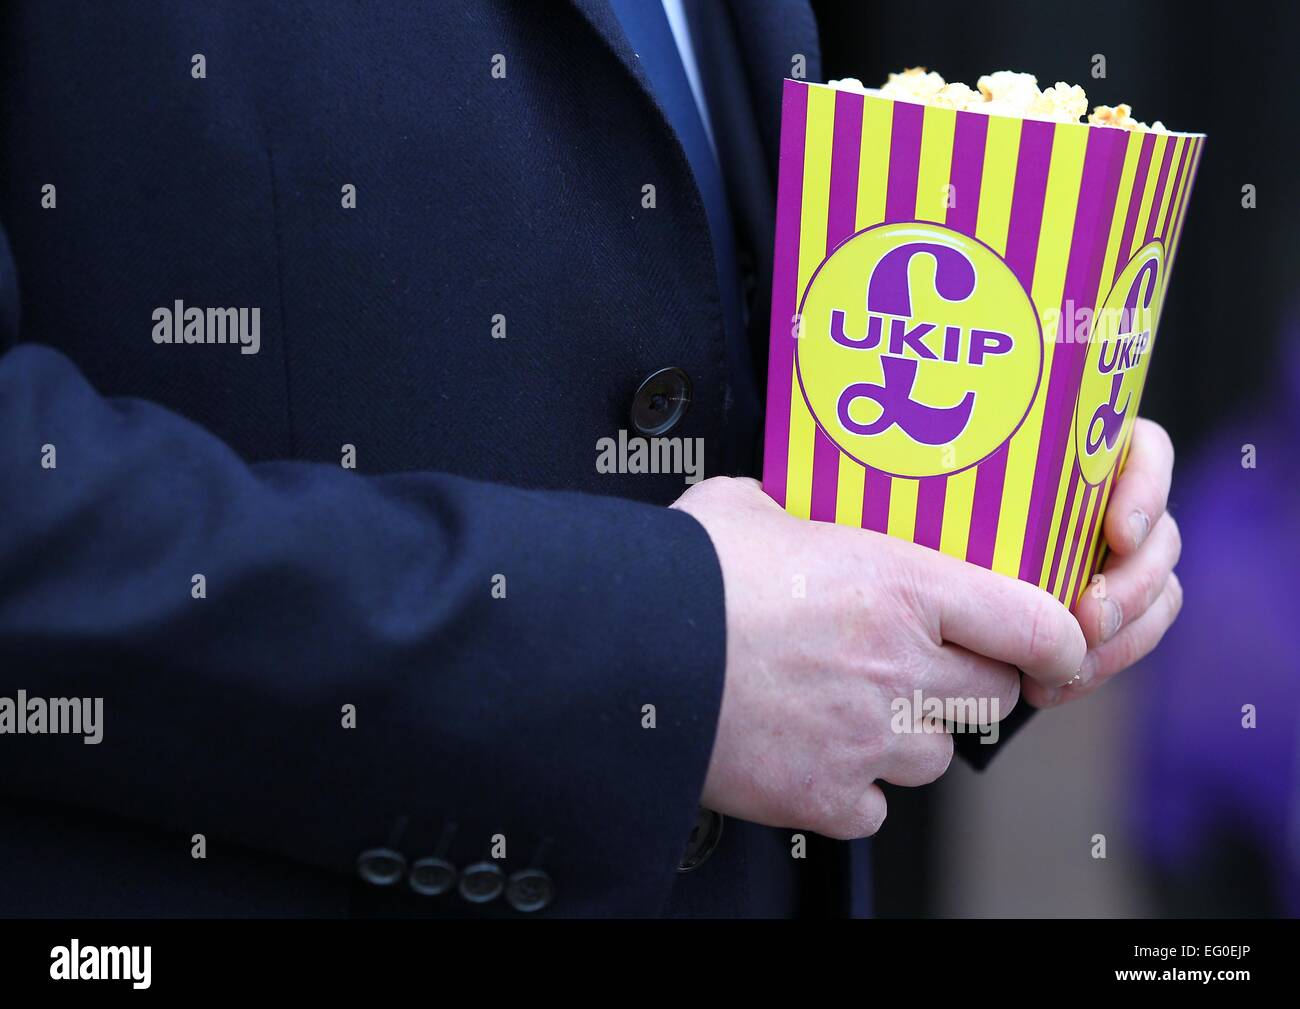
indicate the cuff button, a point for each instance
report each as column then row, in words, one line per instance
column 704, row 839
column 381, row 866
column 432, row 876
column 529, row 890
column 482, row 882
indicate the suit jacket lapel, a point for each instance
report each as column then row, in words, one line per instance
column 776, row 38
column 773, row 35
column 601, row 17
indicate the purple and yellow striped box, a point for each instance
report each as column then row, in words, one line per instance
column 963, row 311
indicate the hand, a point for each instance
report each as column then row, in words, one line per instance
column 805, row 727
column 1130, row 605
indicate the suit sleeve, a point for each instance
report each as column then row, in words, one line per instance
column 500, row 648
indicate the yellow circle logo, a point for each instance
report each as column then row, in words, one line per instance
column 919, row 352
column 1119, row 347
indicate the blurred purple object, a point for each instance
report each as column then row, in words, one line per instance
column 1200, row 773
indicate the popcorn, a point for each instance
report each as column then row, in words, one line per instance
column 1004, row 93
column 1104, row 115
column 943, row 335
column 1121, row 116
column 1009, row 88
column 955, row 96
column 913, row 85
column 1060, row 103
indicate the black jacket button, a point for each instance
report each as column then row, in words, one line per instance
column 704, row 839
column 432, row 876
column 661, row 402
column 482, row 882
column 381, row 866
column 529, row 890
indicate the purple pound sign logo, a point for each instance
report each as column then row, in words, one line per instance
column 1108, row 419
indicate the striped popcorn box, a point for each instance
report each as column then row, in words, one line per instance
column 964, row 307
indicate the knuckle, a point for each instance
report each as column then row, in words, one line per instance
column 812, row 810
column 723, row 489
column 870, row 749
column 1175, row 595
column 1167, row 443
column 1159, row 438
column 934, row 758
column 906, row 580
column 1175, row 538
column 1009, row 696
column 699, row 493
column 1046, row 637
column 1146, row 589
column 870, row 815
column 1129, row 648
column 848, row 814
column 1150, row 495
column 828, row 808
column 840, row 825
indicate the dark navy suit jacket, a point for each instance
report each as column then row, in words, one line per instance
column 480, row 200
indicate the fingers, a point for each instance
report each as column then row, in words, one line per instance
column 1130, row 645
column 960, row 688
column 1005, row 619
column 1142, row 490
column 863, row 820
column 1129, row 585
column 733, row 493
column 1135, row 642
column 919, row 759
column 961, row 680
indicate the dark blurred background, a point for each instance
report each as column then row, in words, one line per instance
column 1201, row 815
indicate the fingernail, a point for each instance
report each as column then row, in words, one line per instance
column 1053, row 695
column 1140, row 526
column 1111, row 618
column 1084, row 676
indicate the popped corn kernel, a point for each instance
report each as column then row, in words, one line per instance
column 1060, row 103
column 956, row 96
column 1012, row 89
column 915, row 84
column 1004, row 93
column 1106, row 115
column 1121, row 116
